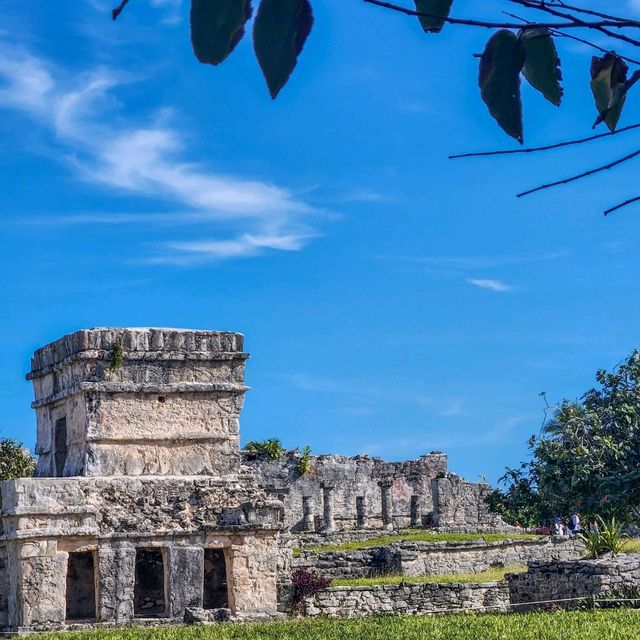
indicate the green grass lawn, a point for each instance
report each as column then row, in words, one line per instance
column 618, row 624
column 491, row 575
column 421, row 536
column 632, row 546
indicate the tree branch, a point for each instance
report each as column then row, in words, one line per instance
column 622, row 204
column 549, row 147
column 509, row 25
column 586, row 174
column 541, row 5
column 119, row 9
column 560, row 34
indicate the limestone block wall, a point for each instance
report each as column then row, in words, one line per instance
column 355, row 484
column 47, row 519
column 424, row 558
column 460, row 504
column 169, row 405
column 408, row 599
column 571, row 579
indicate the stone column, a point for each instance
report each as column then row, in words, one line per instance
column 185, row 578
column 385, row 490
column 327, row 496
column 416, row 519
column 361, row 512
column 116, row 578
column 308, row 521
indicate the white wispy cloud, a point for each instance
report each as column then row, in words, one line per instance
column 492, row 285
column 470, row 267
column 467, row 263
column 149, row 160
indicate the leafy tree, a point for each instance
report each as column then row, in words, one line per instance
column 524, row 46
column 15, row 460
column 586, row 459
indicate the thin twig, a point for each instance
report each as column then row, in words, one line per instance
column 560, row 34
column 591, row 12
column 119, row 9
column 548, row 147
column 543, row 6
column 586, row 174
column 508, row 25
column 622, row 204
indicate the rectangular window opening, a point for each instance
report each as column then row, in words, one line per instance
column 149, row 593
column 81, row 587
column 60, row 446
column 215, row 594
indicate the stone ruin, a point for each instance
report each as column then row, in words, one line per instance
column 342, row 493
column 140, row 508
column 143, row 507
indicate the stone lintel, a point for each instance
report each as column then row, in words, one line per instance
column 123, row 387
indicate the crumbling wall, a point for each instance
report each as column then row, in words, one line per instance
column 46, row 519
column 436, row 558
column 351, row 478
column 408, row 599
column 561, row 582
column 460, row 505
column 420, row 493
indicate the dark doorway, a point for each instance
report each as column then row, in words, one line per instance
column 60, row 446
column 81, row 587
column 148, row 593
column 215, row 580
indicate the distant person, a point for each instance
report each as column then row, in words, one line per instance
column 557, row 528
column 574, row 525
column 593, row 527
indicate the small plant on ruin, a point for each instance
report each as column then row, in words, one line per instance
column 303, row 466
column 15, row 460
column 612, row 535
column 306, row 583
column 117, row 356
column 591, row 541
column 271, row 448
column 608, row 537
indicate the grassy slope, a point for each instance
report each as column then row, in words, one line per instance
column 632, row 546
column 620, row 624
column 422, row 536
column 491, row 575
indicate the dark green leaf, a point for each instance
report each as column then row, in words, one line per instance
column 542, row 64
column 499, row 81
column 216, row 27
column 436, row 11
column 279, row 33
column 609, row 86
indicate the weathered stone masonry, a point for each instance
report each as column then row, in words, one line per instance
column 141, row 507
column 345, row 493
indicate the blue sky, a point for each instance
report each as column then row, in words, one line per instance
column 394, row 302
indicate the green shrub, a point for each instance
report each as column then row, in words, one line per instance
column 271, row 448
column 117, row 356
column 303, row 466
column 608, row 537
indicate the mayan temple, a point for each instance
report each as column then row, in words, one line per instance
column 139, row 508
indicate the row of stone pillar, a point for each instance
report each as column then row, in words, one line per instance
column 308, row 517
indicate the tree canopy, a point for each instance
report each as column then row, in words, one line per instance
column 15, row 460
column 586, row 458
